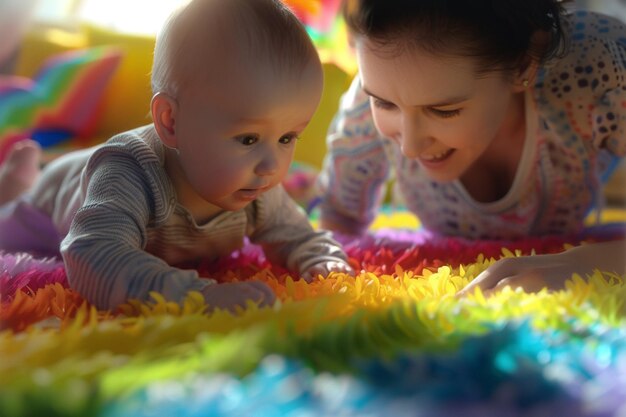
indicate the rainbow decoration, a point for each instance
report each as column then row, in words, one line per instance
column 61, row 102
column 394, row 340
column 327, row 29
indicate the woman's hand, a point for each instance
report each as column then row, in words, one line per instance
column 231, row 295
column 533, row 273
column 325, row 268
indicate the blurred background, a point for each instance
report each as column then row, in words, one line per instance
column 35, row 31
column 104, row 88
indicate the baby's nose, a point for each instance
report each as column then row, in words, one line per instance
column 268, row 165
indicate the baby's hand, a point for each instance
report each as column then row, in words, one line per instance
column 231, row 295
column 325, row 268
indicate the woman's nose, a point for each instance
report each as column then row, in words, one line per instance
column 413, row 138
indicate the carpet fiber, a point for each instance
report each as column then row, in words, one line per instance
column 392, row 341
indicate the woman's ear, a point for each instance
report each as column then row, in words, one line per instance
column 525, row 75
column 527, row 71
column 164, row 110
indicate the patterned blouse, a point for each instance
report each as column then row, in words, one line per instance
column 575, row 121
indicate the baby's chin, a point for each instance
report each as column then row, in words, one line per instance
column 239, row 199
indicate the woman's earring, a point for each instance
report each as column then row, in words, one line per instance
column 525, row 83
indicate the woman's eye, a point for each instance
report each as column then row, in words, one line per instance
column 444, row 114
column 383, row 105
column 248, row 140
column 287, row 139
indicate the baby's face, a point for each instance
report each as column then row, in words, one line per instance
column 236, row 138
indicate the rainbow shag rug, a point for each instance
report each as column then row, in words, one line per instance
column 392, row 341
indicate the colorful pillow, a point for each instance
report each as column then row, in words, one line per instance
column 61, row 102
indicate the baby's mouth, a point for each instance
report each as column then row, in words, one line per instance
column 256, row 189
column 252, row 193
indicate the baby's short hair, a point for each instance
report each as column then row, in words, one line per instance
column 267, row 33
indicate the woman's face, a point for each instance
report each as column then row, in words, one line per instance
column 437, row 108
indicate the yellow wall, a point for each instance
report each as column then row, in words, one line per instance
column 126, row 101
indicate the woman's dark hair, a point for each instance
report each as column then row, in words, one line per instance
column 498, row 33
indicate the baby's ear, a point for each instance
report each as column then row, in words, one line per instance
column 164, row 110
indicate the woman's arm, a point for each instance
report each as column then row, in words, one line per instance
column 356, row 167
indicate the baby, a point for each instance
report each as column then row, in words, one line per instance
column 234, row 83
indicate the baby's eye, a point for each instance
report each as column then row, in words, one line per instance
column 248, row 140
column 288, row 139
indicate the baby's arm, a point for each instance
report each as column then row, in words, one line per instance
column 104, row 249
column 533, row 273
column 288, row 239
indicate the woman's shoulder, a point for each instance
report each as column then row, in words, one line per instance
column 582, row 24
column 591, row 39
column 592, row 36
column 593, row 61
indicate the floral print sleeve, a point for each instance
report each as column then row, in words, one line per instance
column 356, row 167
